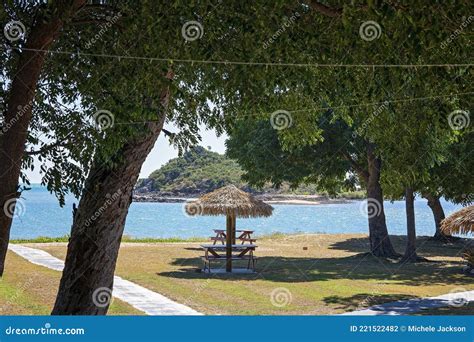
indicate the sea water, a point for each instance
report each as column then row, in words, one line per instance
column 41, row 215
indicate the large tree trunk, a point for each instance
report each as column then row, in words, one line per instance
column 410, row 251
column 438, row 213
column 380, row 244
column 87, row 280
column 19, row 111
column 97, row 231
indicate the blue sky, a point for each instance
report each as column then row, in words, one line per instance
column 161, row 153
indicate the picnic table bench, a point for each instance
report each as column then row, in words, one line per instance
column 245, row 236
column 243, row 252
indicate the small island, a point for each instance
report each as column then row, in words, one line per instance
column 200, row 170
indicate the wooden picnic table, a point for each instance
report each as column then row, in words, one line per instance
column 245, row 252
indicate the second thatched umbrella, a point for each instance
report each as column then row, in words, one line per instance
column 233, row 203
column 460, row 222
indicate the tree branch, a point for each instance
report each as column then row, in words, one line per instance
column 45, row 148
column 50, row 147
column 357, row 167
column 168, row 133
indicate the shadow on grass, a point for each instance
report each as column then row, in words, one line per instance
column 358, row 267
column 467, row 309
column 364, row 300
column 426, row 246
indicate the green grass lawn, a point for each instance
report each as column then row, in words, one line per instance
column 28, row 289
column 307, row 274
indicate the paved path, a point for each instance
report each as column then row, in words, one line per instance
column 404, row 307
column 145, row 300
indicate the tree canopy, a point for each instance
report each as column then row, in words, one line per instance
column 256, row 146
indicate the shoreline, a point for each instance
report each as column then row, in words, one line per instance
column 269, row 199
column 306, row 202
column 198, row 239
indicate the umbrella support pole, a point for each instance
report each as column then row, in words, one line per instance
column 230, row 223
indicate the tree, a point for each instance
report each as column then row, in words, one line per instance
column 438, row 214
column 139, row 97
column 255, row 145
column 326, row 163
column 410, row 251
column 451, row 179
column 30, row 90
column 413, row 148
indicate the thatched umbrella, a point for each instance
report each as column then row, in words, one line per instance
column 460, row 222
column 233, row 203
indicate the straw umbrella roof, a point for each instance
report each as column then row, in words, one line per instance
column 230, row 201
column 460, row 222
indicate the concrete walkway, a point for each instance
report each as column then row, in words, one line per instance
column 145, row 300
column 405, row 307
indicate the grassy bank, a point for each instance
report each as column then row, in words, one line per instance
column 45, row 239
column 353, row 195
column 310, row 274
column 126, row 238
